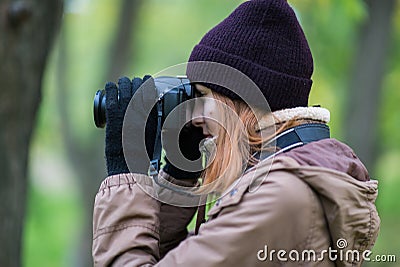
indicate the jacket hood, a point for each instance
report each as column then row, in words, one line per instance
column 331, row 154
column 343, row 187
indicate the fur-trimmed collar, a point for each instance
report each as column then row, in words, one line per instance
column 308, row 113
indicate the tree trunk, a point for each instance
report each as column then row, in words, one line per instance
column 365, row 86
column 27, row 29
column 122, row 44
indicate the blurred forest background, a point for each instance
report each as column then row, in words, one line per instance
column 48, row 185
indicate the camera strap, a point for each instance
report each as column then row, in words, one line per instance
column 155, row 162
column 294, row 137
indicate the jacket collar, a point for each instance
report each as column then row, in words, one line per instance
column 307, row 113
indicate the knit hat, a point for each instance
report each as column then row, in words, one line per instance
column 263, row 40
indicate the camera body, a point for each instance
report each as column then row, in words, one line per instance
column 172, row 92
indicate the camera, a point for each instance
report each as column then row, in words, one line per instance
column 172, row 91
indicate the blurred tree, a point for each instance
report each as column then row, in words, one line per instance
column 122, row 46
column 87, row 157
column 27, row 29
column 366, row 82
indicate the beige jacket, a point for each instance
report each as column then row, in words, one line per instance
column 313, row 198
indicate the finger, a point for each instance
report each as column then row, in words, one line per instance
column 149, row 91
column 125, row 91
column 136, row 83
column 111, row 96
column 146, row 77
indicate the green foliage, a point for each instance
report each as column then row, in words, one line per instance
column 168, row 30
column 331, row 28
column 389, row 114
column 51, row 230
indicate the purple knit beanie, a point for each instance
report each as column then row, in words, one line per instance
column 264, row 40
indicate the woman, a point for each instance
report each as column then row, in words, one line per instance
column 308, row 203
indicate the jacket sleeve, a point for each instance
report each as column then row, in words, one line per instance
column 125, row 223
column 174, row 219
column 126, row 226
column 119, row 212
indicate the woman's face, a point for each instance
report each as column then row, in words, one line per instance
column 205, row 111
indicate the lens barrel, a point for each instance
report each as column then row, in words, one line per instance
column 99, row 109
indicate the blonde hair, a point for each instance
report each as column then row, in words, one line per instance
column 235, row 145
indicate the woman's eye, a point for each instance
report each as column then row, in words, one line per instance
column 199, row 94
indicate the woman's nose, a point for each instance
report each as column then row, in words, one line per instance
column 197, row 115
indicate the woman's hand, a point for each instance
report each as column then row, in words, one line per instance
column 189, row 141
column 117, row 100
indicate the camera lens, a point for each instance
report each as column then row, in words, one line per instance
column 175, row 90
column 99, row 109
